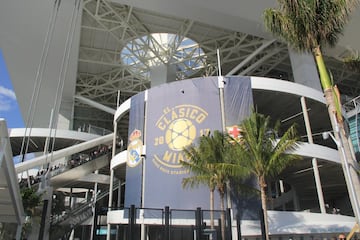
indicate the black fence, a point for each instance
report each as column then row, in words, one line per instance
column 165, row 224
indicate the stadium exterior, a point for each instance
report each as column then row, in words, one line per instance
column 83, row 70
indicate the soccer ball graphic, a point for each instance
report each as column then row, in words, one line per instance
column 179, row 134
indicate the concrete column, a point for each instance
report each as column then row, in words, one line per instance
column 111, row 185
column 18, row 232
column 65, row 115
column 119, row 195
column 94, row 208
column 26, row 51
column 72, row 205
column 296, row 200
column 164, row 73
column 304, row 69
column 48, row 196
column 269, row 193
column 281, row 185
column 118, row 205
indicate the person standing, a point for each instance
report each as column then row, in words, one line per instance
column 341, row 236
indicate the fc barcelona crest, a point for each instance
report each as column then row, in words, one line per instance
column 134, row 149
column 234, row 132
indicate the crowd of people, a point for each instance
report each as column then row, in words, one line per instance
column 76, row 160
column 80, row 158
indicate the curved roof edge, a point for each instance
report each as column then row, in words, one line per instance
column 276, row 85
column 122, row 109
column 261, row 83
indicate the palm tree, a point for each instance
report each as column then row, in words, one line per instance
column 209, row 162
column 352, row 62
column 307, row 26
column 263, row 154
column 30, row 199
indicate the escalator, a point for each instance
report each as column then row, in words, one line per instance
column 69, row 175
column 78, row 172
column 64, row 175
column 62, row 225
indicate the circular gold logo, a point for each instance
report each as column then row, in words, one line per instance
column 180, row 133
column 179, row 126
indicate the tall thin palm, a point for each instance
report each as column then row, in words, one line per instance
column 309, row 25
column 263, row 154
column 210, row 164
column 201, row 175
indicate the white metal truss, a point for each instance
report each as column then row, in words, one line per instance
column 119, row 45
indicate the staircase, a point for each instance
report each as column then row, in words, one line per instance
column 61, row 226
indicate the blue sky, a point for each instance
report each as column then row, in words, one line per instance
column 9, row 108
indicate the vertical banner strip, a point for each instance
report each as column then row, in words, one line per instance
column 133, row 190
column 238, row 102
column 238, row 106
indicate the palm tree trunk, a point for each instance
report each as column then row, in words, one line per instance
column 212, row 208
column 324, row 75
column 222, row 206
column 262, row 185
column 346, row 156
column 340, row 135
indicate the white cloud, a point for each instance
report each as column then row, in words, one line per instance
column 7, row 96
column 7, row 93
column 4, row 105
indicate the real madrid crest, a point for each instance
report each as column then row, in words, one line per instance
column 134, row 149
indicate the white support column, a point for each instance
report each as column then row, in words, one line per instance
column 111, row 185
column 143, row 159
column 118, row 205
column 143, row 227
column 18, row 232
column 93, row 206
column 281, row 185
column 314, row 160
column 70, row 198
column 72, row 205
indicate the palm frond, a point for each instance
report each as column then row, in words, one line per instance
column 261, row 150
column 352, row 62
column 305, row 25
column 211, row 162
